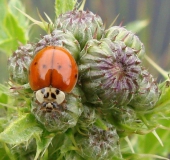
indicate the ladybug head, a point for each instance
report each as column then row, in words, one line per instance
column 50, row 97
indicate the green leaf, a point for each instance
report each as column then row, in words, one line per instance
column 43, row 24
column 137, row 26
column 6, row 153
column 14, row 31
column 2, row 9
column 42, row 144
column 164, row 99
column 13, row 27
column 22, row 20
column 148, row 144
column 129, row 156
column 3, row 94
column 21, row 130
column 62, row 6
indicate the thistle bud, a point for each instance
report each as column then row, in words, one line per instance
column 19, row 62
column 148, row 93
column 87, row 118
column 109, row 72
column 117, row 33
column 84, row 25
column 99, row 144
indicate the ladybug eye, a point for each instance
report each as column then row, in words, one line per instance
column 46, row 95
column 53, row 96
column 57, row 91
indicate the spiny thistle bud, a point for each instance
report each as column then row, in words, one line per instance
column 117, row 33
column 63, row 117
column 87, row 118
column 125, row 119
column 99, row 144
column 19, row 62
column 60, row 38
column 148, row 93
column 83, row 24
column 109, row 72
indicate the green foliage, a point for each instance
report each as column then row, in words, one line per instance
column 62, row 6
column 21, row 130
column 137, row 26
column 12, row 31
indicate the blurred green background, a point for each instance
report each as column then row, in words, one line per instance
column 155, row 36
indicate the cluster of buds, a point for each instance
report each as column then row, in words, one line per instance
column 112, row 85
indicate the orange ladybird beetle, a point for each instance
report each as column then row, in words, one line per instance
column 52, row 73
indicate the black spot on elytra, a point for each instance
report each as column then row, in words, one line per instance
column 44, row 66
column 35, row 63
column 59, row 66
column 43, row 91
column 53, row 95
column 75, row 75
column 46, row 95
column 57, row 91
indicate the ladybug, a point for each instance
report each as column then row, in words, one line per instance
column 52, row 73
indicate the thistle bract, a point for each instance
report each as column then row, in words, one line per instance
column 117, row 33
column 84, row 25
column 109, row 72
column 148, row 93
column 60, row 38
column 19, row 62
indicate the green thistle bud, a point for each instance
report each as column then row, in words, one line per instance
column 19, row 62
column 99, row 144
column 63, row 117
column 109, row 72
column 83, row 24
column 148, row 93
column 60, row 38
column 117, row 33
column 87, row 118
column 125, row 119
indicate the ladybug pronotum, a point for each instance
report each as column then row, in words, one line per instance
column 52, row 73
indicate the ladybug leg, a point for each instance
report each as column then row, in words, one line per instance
column 64, row 106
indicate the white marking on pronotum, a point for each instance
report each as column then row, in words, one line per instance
column 49, row 94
